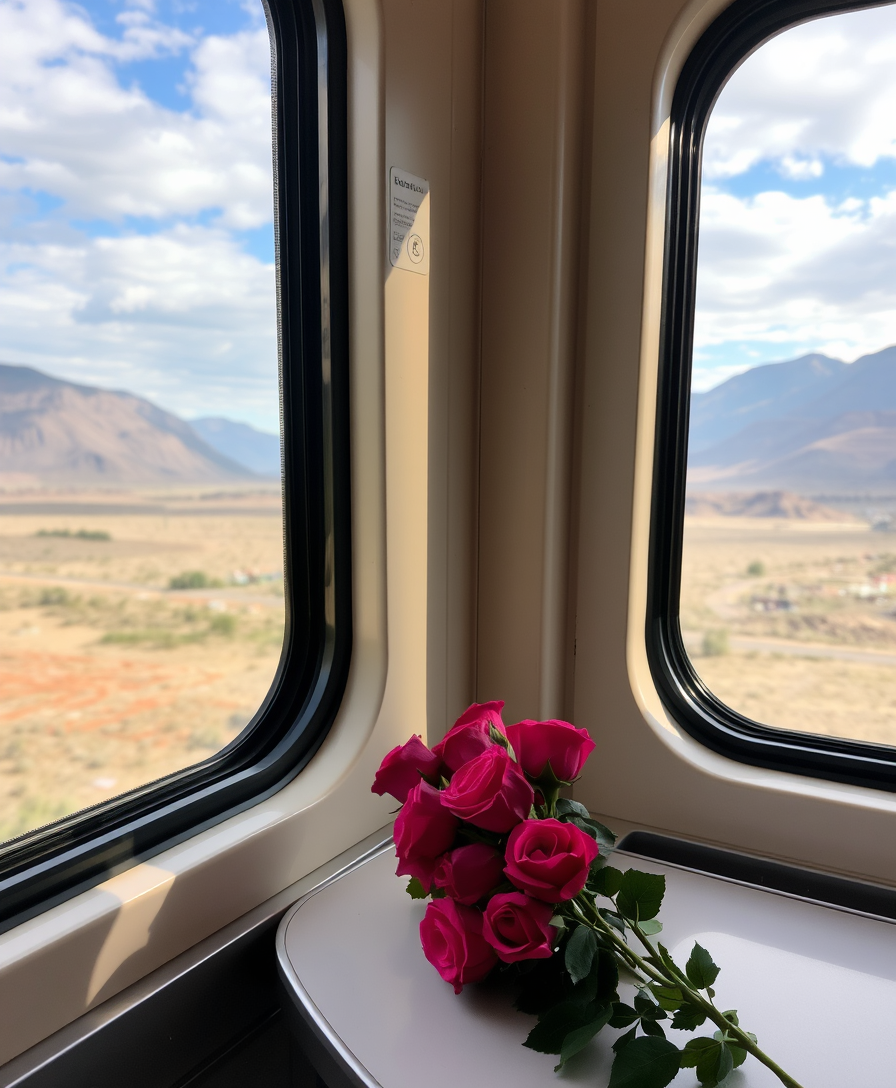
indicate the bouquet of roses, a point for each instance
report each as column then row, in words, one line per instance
column 519, row 882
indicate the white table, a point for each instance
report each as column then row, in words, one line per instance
column 816, row 984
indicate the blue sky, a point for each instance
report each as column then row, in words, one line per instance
column 798, row 214
column 136, row 231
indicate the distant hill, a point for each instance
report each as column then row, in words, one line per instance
column 812, row 425
column 762, row 504
column 763, row 393
column 255, row 450
column 57, row 432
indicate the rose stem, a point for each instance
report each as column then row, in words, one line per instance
column 682, row 982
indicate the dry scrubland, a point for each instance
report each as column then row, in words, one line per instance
column 109, row 678
column 794, row 623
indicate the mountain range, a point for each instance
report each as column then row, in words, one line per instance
column 255, row 450
column 61, row 433
column 813, row 425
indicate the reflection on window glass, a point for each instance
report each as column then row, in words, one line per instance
column 141, row 571
column 788, row 600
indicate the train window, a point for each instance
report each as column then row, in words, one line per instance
column 773, row 618
column 174, row 624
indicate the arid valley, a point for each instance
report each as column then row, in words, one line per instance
column 109, row 677
column 792, row 621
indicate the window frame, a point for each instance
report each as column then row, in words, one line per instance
column 309, row 106
column 724, row 45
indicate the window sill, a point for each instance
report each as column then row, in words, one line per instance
column 371, row 1010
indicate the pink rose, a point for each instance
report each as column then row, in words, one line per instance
column 452, row 941
column 423, row 829
column 469, row 736
column 469, row 872
column 549, row 860
column 490, row 791
column 536, row 744
column 519, row 928
column 403, row 767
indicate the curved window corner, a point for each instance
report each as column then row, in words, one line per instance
column 771, row 627
column 175, row 612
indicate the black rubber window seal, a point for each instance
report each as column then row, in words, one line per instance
column 840, row 892
column 730, row 39
column 50, row 864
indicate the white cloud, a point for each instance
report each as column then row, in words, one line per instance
column 184, row 317
column 823, row 89
column 69, row 127
column 178, row 312
column 704, row 379
column 781, row 274
column 779, row 269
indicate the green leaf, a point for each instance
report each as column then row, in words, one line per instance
column 623, row 1015
column 738, row 1054
column 582, row 825
column 604, row 837
column 497, row 737
column 579, row 1038
column 700, row 969
column 640, row 895
column 607, row 975
column 567, row 807
column 693, row 1050
column 647, row 1062
column 713, row 1069
column 606, row 840
column 579, row 955
column 548, row 1034
column 612, row 918
column 644, row 1002
column 651, row 1027
column 669, row 997
column 606, row 881
column 711, row 1058
column 558, row 921
column 650, row 926
column 688, row 1018
column 416, row 890
column 624, row 1040
column 665, row 957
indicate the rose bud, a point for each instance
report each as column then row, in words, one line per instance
column 519, row 928
column 469, row 872
column 423, row 830
column 469, row 736
column 549, row 860
column 535, row 744
column 490, row 791
column 452, row 941
column 403, row 767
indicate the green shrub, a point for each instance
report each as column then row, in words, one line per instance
column 190, row 579
column 756, row 569
column 53, row 595
column 715, row 643
column 222, row 624
column 81, row 534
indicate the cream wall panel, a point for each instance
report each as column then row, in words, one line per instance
column 534, row 64
column 646, row 769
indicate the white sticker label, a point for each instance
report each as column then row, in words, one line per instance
column 408, row 221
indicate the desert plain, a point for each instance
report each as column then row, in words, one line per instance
column 793, row 622
column 141, row 630
column 139, row 633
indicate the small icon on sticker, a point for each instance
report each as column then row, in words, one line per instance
column 415, row 248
